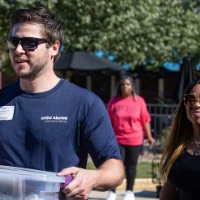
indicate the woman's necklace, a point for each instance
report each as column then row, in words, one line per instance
column 196, row 152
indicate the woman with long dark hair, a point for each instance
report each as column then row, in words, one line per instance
column 180, row 162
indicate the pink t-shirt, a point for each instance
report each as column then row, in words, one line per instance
column 128, row 115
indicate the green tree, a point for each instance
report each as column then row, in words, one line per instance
column 134, row 31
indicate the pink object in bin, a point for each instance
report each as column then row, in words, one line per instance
column 68, row 180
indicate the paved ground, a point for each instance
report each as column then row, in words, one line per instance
column 139, row 195
column 144, row 190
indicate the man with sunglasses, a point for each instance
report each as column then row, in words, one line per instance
column 48, row 123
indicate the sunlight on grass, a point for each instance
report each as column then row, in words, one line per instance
column 144, row 169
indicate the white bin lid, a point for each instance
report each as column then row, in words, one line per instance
column 31, row 174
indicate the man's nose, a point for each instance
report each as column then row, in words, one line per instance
column 19, row 48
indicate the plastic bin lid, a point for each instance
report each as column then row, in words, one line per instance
column 32, row 174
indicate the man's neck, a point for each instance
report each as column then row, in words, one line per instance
column 40, row 84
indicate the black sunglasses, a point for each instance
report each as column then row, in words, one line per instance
column 191, row 98
column 27, row 43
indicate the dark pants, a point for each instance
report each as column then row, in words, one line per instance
column 130, row 155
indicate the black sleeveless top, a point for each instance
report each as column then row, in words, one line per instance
column 185, row 175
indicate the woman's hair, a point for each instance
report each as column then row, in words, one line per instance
column 119, row 90
column 179, row 136
column 52, row 25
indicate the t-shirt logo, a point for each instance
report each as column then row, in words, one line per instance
column 55, row 119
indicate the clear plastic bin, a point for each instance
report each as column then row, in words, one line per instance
column 28, row 184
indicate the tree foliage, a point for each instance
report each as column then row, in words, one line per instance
column 134, row 31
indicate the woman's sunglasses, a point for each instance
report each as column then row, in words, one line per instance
column 27, row 43
column 191, row 98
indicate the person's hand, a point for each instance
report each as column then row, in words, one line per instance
column 82, row 184
column 151, row 140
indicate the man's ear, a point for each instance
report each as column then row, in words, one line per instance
column 55, row 48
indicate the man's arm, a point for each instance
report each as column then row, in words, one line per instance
column 109, row 175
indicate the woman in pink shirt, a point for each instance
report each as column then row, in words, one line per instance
column 130, row 120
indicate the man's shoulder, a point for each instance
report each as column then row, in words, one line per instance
column 9, row 89
column 8, row 93
column 76, row 90
column 80, row 97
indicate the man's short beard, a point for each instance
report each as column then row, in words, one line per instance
column 31, row 75
column 36, row 68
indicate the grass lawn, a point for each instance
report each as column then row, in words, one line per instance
column 144, row 169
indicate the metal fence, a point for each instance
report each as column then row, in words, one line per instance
column 162, row 115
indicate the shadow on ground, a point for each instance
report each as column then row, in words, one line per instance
column 146, row 194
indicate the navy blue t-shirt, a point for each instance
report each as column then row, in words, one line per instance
column 54, row 129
